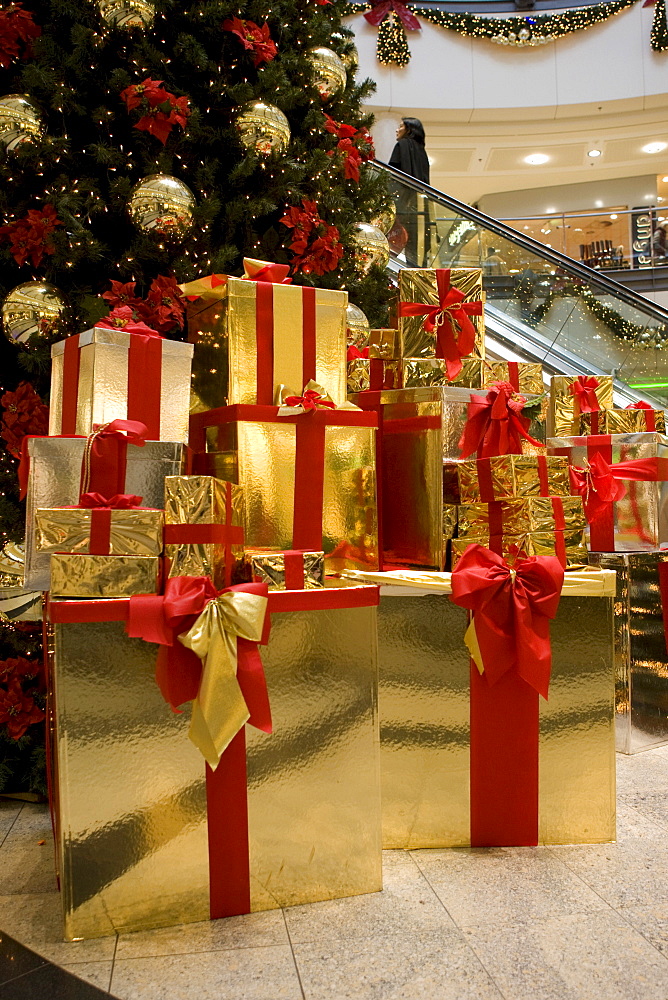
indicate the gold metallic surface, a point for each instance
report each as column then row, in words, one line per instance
column 432, row 372
column 31, row 310
column 67, row 529
column 564, row 412
column 127, row 13
column 163, row 207
column 263, row 128
column 384, row 343
column 55, row 478
column 514, row 476
column 372, row 248
column 450, row 517
column 201, row 500
column 357, row 327
column 20, row 121
column 621, row 422
column 641, row 701
column 329, row 72
column 641, row 516
column 419, row 285
column 103, row 383
column 359, row 374
column 520, row 514
column 522, row 545
column 530, row 376
column 269, row 568
column 77, row 575
column 583, row 581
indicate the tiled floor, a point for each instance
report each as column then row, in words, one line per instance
column 559, row 923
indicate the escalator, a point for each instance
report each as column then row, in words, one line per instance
column 540, row 304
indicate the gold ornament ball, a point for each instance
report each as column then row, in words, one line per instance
column 385, row 219
column 16, row 604
column 357, row 327
column 371, row 247
column 329, row 73
column 127, row 13
column 31, row 310
column 263, row 128
column 163, row 207
column 20, row 121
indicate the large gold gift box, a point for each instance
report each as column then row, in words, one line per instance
column 77, row 575
column 205, row 516
column 135, row 531
column 296, row 570
column 135, row 854
column 568, row 545
column 426, row 372
column 520, row 514
column 488, row 479
column 623, row 422
column 252, row 336
column 564, row 412
column 99, row 376
column 419, row 285
column 428, row 783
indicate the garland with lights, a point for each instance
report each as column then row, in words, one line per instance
column 524, row 31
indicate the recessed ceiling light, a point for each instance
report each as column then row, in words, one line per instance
column 593, row 152
column 598, row 204
column 550, row 211
column 654, row 147
column 535, row 159
column 613, row 216
column 664, row 180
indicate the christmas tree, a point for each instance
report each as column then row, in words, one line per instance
column 146, row 142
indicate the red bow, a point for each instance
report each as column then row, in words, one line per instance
column 119, row 501
column 584, row 390
column 262, row 270
column 383, row 8
column 311, row 400
column 495, row 424
column 354, row 353
column 511, row 612
column 449, row 317
column 599, row 484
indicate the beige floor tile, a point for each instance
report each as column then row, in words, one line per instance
column 651, row 921
column 647, row 770
column 505, row 885
column 97, row 973
column 632, row 872
column 36, row 921
column 241, row 974
column 254, row 930
column 9, row 810
column 27, row 869
column 651, row 804
column 407, row 904
column 633, row 822
column 594, row 956
column 33, row 823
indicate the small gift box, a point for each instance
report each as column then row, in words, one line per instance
column 630, row 421
column 568, row 546
column 570, row 397
column 524, row 378
column 103, row 528
column 419, row 372
column 441, row 314
column 109, row 374
column 77, row 575
column 518, row 515
column 295, row 570
column 372, row 373
column 487, row 479
column 203, row 527
column 385, row 343
column 254, row 333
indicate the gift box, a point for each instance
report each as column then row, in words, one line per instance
column 308, row 479
column 504, row 476
column 373, row 373
column 426, row 372
column 296, row 570
column 385, row 343
column 204, row 532
column 568, row 545
column 166, row 839
column 641, row 657
column 252, row 335
column 54, row 481
column 521, row 514
column 100, row 530
column 570, row 397
column 632, row 421
column 79, row 575
column 524, row 378
column 102, row 375
column 494, row 765
column 441, row 313
column 635, row 466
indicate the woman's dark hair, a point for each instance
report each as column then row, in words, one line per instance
column 415, row 129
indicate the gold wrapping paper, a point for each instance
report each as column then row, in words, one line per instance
column 621, row 422
column 529, row 543
column 269, row 568
column 419, row 285
column 67, row 529
column 359, row 374
column 77, row 575
column 418, row 372
column 222, row 325
column 103, row 383
column 530, row 376
column 519, row 515
column 512, row 476
column 202, row 500
column 564, row 414
column 450, row 520
column 384, row 343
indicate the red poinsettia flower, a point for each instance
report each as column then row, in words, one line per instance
column 17, row 30
column 254, row 38
column 339, row 129
column 122, row 294
column 18, row 709
column 123, row 318
column 163, row 110
column 315, row 244
column 152, row 90
column 354, row 146
column 24, row 414
column 18, row 666
column 30, row 238
column 165, row 305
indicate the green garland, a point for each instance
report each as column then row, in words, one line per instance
column 523, row 31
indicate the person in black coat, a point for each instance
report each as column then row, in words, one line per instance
column 410, row 156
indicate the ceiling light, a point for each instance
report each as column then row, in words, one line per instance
column 550, row 211
column 664, row 180
column 613, row 216
column 598, row 204
column 654, row 147
column 593, row 153
column 535, row 159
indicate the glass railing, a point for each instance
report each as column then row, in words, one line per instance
column 540, row 302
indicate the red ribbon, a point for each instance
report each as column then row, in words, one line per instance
column 311, row 400
column 495, row 424
column 105, row 456
column 449, row 317
column 584, row 390
column 100, row 521
column 120, row 501
column 650, row 421
column 257, row 270
column 264, row 337
column 383, row 9
column 353, row 353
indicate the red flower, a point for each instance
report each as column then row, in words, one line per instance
column 315, row 244
column 18, row 709
column 152, row 90
column 122, row 294
column 355, row 145
column 24, row 414
column 254, row 38
column 19, row 667
column 166, row 308
column 341, row 131
column 162, row 109
column 123, row 318
column 30, row 238
column 16, row 26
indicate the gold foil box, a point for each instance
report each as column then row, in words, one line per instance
column 529, row 376
column 68, row 529
column 360, row 377
column 419, row 372
column 103, row 383
column 385, row 344
column 622, row 422
column 419, row 285
column 77, row 575
column 204, row 500
column 523, row 545
column 222, row 324
column 564, row 414
column 521, row 515
column 270, row 568
column 512, row 476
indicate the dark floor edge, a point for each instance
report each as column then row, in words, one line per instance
column 25, row 975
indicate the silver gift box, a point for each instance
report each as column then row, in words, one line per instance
column 54, row 481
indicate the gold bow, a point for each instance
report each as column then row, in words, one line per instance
column 220, row 709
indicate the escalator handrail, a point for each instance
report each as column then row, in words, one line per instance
column 559, row 260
